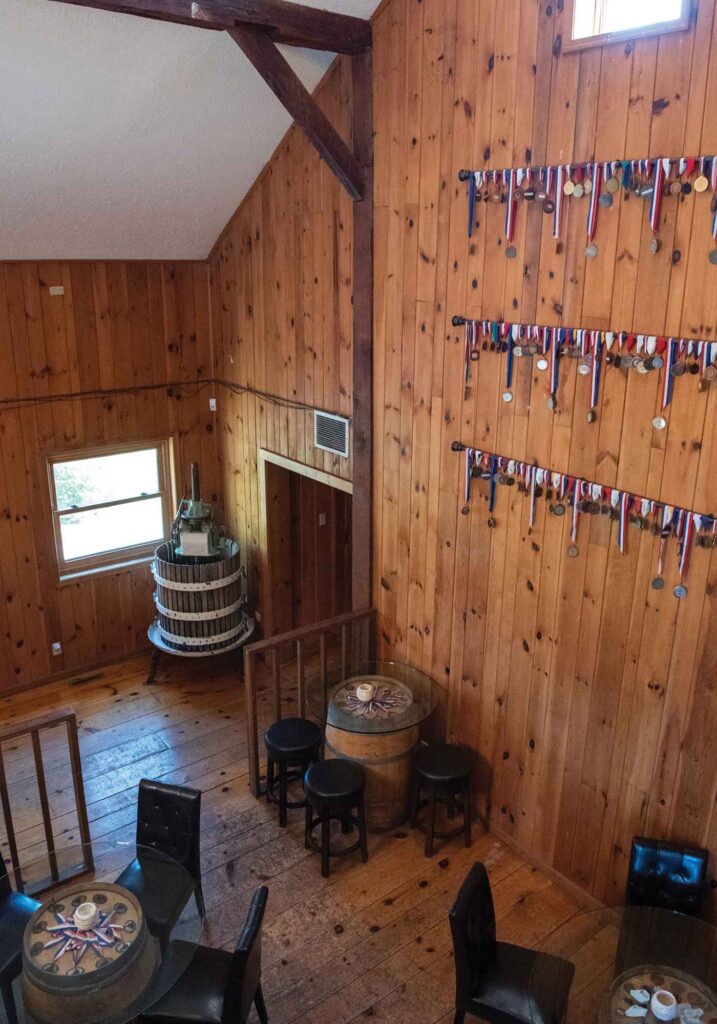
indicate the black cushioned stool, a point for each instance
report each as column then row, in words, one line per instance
column 334, row 788
column 291, row 743
column 444, row 771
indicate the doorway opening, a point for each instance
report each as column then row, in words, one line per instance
column 308, row 546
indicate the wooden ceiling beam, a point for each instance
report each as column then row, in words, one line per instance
column 288, row 23
column 290, row 90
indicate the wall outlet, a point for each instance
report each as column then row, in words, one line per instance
column 56, row 649
column 322, row 519
column 57, row 289
column 212, row 405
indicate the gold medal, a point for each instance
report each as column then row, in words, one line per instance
column 612, row 184
column 569, row 187
column 675, row 188
column 587, row 186
column 701, row 183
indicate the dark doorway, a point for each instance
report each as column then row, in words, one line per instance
column 308, row 540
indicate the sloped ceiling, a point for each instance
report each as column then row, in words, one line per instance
column 125, row 138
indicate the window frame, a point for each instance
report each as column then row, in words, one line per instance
column 678, row 24
column 118, row 558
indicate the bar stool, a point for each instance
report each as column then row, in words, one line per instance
column 291, row 743
column 335, row 789
column 444, row 770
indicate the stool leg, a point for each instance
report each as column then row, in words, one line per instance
column 362, row 830
column 414, row 798
column 325, row 839
column 269, row 779
column 307, row 825
column 282, row 795
column 467, row 810
column 430, row 820
column 346, row 826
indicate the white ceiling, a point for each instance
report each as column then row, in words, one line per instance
column 125, row 138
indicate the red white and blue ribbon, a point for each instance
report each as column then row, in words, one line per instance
column 558, row 200
column 662, row 168
column 668, row 380
column 596, row 369
column 687, row 531
column 713, row 186
column 554, row 360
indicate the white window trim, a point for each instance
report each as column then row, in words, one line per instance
column 601, row 38
column 117, row 558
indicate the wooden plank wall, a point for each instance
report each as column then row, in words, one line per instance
column 117, row 325
column 589, row 697
column 281, row 275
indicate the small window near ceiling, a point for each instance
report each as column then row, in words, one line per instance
column 595, row 22
column 110, row 506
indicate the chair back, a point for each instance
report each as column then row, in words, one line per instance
column 666, row 875
column 472, row 920
column 245, row 974
column 168, row 821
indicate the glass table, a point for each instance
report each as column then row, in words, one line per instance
column 619, row 957
column 372, row 713
column 92, row 952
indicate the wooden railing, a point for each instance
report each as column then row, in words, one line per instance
column 337, row 643
column 33, row 728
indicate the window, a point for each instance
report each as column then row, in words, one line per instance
column 110, row 505
column 604, row 21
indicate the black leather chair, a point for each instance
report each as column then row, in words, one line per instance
column 16, row 909
column 667, row 875
column 496, row 981
column 167, row 822
column 219, row 987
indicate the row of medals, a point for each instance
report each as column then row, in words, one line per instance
column 559, row 507
column 640, row 184
column 624, row 361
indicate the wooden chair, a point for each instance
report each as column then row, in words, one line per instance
column 219, row 987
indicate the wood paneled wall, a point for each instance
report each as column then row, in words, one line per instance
column 117, row 325
column 281, row 276
column 589, row 697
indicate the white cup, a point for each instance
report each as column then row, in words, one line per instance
column 365, row 692
column 663, row 1004
column 86, row 916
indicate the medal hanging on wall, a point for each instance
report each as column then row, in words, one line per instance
column 713, row 209
column 686, row 533
column 591, row 250
column 660, row 175
column 509, row 181
column 665, row 530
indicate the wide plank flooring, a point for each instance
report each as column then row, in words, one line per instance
column 371, row 941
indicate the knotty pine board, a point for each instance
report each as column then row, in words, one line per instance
column 587, row 695
column 117, row 325
column 281, row 316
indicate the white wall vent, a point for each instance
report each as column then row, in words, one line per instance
column 331, row 433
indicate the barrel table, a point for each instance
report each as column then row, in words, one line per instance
column 372, row 715
column 88, row 954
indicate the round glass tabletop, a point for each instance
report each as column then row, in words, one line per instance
column 102, row 932
column 373, row 697
column 613, row 960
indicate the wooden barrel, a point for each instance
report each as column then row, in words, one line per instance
column 386, row 758
column 109, row 976
column 199, row 600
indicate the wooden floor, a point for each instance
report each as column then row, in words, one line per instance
column 371, row 941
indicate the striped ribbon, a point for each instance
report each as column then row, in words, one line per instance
column 594, row 200
column 577, row 497
column 554, row 360
column 472, row 203
column 491, row 493
column 625, row 503
column 510, row 205
column 558, row 201
column 533, row 470
column 713, row 184
column 596, row 370
column 470, row 455
column 668, row 380
column 688, row 536
column 656, row 198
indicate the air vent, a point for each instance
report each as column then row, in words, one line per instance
column 331, row 433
